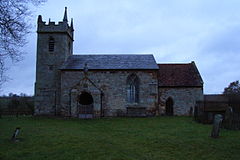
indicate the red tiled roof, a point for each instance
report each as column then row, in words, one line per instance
column 179, row 75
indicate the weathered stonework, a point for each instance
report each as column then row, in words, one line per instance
column 183, row 99
column 113, row 86
column 61, row 80
column 47, row 86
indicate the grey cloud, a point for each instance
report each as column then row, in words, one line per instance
column 174, row 31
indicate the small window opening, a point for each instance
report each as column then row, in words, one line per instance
column 50, row 67
column 69, row 47
column 51, row 44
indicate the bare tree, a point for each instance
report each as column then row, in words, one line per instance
column 14, row 26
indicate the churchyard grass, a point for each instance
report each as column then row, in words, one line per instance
column 157, row 138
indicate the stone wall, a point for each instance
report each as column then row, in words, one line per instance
column 113, row 86
column 47, row 86
column 183, row 99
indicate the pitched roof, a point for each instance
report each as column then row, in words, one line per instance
column 179, row 75
column 109, row 62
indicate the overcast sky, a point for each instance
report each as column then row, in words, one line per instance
column 174, row 31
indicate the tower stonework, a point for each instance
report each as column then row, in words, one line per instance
column 54, row 46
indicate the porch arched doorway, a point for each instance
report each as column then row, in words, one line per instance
column 85, row 105
column 169, row 107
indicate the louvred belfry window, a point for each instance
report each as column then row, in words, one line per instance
column 51, row 44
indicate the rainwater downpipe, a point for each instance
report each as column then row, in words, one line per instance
column 70, row 113
column 101, row 105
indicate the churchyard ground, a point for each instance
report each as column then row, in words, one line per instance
column 157, row 138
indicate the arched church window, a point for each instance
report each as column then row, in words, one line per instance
column 51, row 44
column 133, row 89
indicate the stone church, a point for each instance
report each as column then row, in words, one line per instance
column 102, row 85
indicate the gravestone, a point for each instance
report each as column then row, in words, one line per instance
column 15, row 134
column 228, row 121
column 216, row 125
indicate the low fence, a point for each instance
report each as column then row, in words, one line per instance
column 204, row 112
column 228, row 107
column 16, row 113
column 16, row 105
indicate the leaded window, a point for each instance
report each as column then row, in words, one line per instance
column 133, row 89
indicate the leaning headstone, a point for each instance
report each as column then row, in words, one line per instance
column 216, row 125
column 228, row 121
column 15, row 134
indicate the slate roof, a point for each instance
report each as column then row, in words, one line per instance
column 179, row 75
column 111, row 62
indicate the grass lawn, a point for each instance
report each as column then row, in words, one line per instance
column 115, row 138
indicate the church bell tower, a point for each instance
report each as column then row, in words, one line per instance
column 54, row 46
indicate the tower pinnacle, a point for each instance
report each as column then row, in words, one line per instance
column 71, row 24
column 65, row 15
column 39, row 18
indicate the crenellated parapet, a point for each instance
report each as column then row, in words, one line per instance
column 52, row 27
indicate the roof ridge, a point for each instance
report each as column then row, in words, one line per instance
column 174, row 64
column 115, row 61
column 106, row 54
